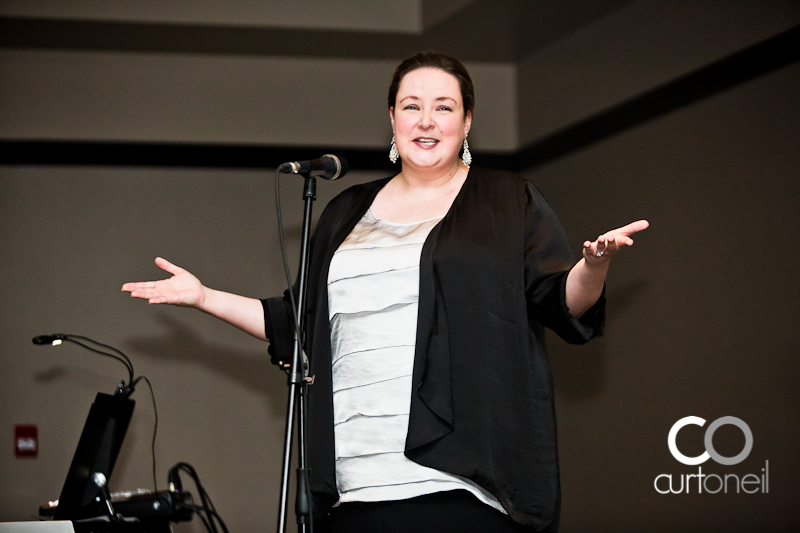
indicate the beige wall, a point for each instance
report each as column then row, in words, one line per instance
column 701, row 313
column 638, row 48
column 223, row 99
column 71, row 237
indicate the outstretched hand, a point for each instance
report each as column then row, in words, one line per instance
column 603, row 249
column 587, row 278
column 181, row 289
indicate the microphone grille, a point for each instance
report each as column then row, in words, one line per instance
column 341, row 166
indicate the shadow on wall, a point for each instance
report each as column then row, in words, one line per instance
column 580, row 372
column 81, row 377
column 251, row 369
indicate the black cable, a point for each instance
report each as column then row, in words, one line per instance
column 288, row 277
column 206, row 499
column 124, row 361
column 155, row 429
column 129, row 365
column 215, row 515
column 211, row 517
column 283, row 246
column 199, row 512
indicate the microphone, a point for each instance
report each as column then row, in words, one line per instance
column 329, row 167
column 48, row 339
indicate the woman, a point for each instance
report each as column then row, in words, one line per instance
column 429, row 291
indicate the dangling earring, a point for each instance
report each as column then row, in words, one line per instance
column 393, row 153
column 466, row 157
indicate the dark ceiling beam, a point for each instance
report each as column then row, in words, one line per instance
column 141, row 37
column 187, row 155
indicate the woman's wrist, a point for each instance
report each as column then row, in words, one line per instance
column 205, row 301
column 585, row 285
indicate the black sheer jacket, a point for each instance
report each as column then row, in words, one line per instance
column 492, row 277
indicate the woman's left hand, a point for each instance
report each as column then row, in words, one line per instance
column 586, row 279
column 603, row 249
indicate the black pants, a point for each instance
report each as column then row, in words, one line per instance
column 455, row 510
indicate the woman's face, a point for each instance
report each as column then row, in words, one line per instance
column 428, row 119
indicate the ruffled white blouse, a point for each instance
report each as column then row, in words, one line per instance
column 373, row 292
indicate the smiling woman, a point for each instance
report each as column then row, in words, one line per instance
column 429, row 291
column 430, row 122
column 431, row 99
column 430, row 125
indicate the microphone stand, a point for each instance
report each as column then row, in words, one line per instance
column 298, row 388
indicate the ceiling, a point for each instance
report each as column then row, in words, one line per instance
column 473, row 30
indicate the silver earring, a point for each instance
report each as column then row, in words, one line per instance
column 466, row 157
column 393, row 153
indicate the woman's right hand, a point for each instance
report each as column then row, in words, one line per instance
column 181, row 289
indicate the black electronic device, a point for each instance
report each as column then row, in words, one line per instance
column 97, row 452
column 86, row 499
column 174, row 506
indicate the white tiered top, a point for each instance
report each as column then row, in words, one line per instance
column 373, row 290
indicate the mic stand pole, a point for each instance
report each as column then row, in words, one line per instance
column 298, row 389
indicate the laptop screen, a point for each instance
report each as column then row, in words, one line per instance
column 97, row 451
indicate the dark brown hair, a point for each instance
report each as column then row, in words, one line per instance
column 443, row 62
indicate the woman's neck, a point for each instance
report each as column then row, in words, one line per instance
column 411, row 198
column 425, row 178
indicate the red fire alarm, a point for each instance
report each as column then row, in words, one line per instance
column 26, row 441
